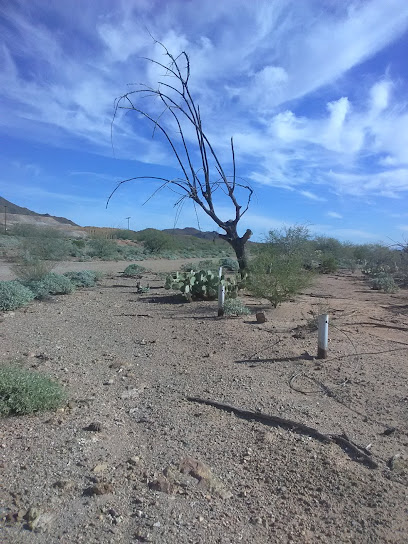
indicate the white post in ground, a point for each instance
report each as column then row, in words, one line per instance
column 221, row 295
column 323, row 336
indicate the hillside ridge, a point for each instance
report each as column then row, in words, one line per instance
column 14, row 209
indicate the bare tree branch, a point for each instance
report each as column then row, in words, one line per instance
column 195, row 183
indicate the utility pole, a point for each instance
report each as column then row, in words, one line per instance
column 5, row 219
column 128, row 221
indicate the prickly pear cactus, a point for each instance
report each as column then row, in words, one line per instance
column 201, row 285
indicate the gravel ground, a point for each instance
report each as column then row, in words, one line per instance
column 130, row 459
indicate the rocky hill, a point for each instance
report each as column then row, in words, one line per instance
column 13, row 209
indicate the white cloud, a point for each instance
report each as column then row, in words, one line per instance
column 312, row 196
column 387, row 183
column 380, row 96
column 335, row 215
column 247, row 68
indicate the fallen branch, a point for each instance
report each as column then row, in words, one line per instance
column 343, row 441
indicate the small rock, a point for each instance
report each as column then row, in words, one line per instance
column 109, row 382
column 95, row 427
column 161, row 483
column 102, row 488
column 100, row 468
column 256, row 520
column 203, row 474
column 130, row 394
column 65, row 485
column 260, row 317
column 399, row 463
column 37, row 520
column 20, row 515
column 32, row 514
column 157, row 524
column 142, row 536
column 134, row 461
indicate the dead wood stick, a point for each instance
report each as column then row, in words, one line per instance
column 294, row 426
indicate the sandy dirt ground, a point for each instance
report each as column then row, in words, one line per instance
column 130, row 459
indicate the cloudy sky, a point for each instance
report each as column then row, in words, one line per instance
column 313, row 92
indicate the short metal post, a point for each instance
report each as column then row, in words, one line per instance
column 221, row 295
column 323, row 336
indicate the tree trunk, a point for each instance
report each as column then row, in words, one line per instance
column 238, row 245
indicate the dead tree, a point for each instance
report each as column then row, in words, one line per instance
column 198, row 182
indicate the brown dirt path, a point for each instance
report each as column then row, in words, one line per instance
column 129, row 361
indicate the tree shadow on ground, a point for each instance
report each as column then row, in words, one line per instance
column 397, row 309
column 253, row 362
column 166, row 299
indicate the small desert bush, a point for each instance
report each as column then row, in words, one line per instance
column 131, row 253
column 102, row 248
column 133, row 270
column 229, row 264
column 234, row 306
column 13, row 295
column 24, row 392
column 51, row 284
column 42, row 243
column 156, row 241
column 277, row 277
column 328, row 264
column 189, row 266
column 77, row 248
column 82, row 278
column 8, row 242
column 30, row 268
column 383, row 282
column 207, row 264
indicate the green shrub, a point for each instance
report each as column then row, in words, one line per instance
column 229, row 264
column 234, row 306
column 124, row 234
column 31, row 268
column 24, row 392
column 189, row 266
column 131, row 253
column 156, row 241
column 383, row 282
column 77, row 248
column 278, row 271
column 8, row 242
column 51, row 284
column 206, row 264
column 83, row 278
column 80, row 244
column 13, row 295
column 102, row 248
column 328, row 265
column 45, row 244
column 133, row 270
column 277, row 277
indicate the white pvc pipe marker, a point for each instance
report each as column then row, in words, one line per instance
column 323, row 336
column 221, row 295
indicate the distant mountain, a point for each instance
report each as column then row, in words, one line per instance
column 191, row 231
column 18, row 210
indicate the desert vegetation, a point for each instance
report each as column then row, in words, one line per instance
column 279, row 268
column 98, row 360
column 25, row 391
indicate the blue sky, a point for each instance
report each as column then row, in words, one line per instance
column 314, row 93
